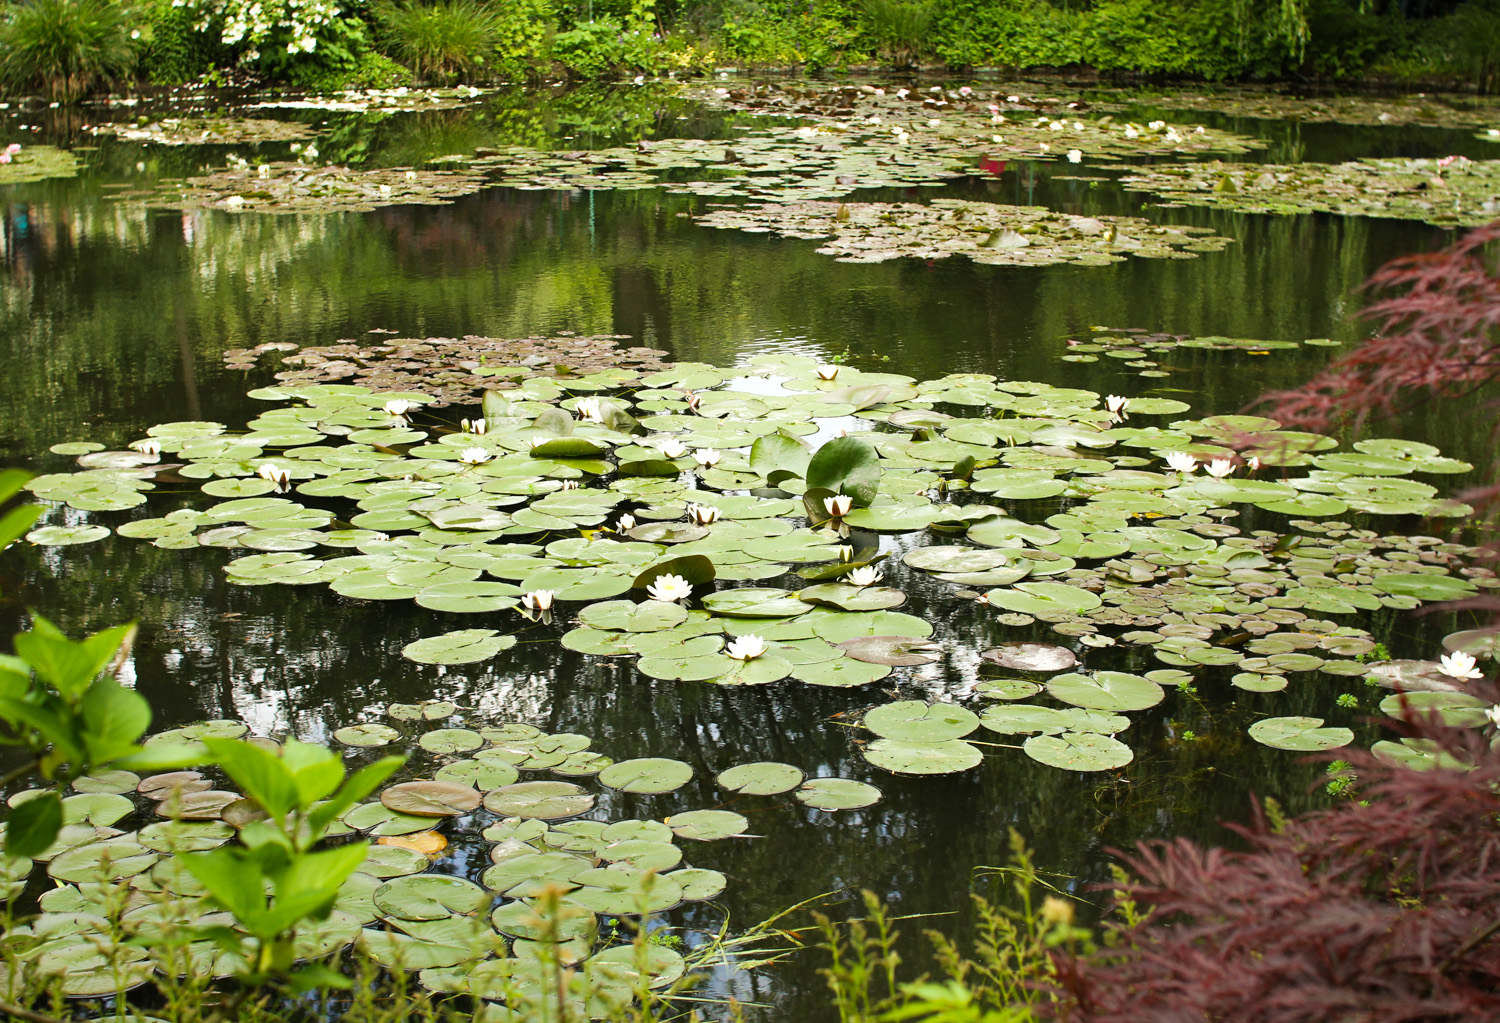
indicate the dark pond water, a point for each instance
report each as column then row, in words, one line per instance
column 114, row 318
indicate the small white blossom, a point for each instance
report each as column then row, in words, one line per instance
column 1116, row 404
column 1075, row 156
column 703, row 514
column 670, row 588
column 539, row 600
column 398, row 407
column 746, row 648
column 838, row 505
column 474, row 426
column 672, row 447
column 707, row 457
column 865, row 575
column 474, row 456
column 846, row 552
column 1494, row 715
column 1459, row 665
column 1219, row 468
column 625, row 523
column 590, row 411
column 1181, row 461
column 151, row 447
column 279, row 477
column 828, row 371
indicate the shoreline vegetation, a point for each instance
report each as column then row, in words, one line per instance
column 66, row 49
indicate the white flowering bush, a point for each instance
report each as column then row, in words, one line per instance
column 292, row 26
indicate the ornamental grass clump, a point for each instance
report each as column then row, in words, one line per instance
column 65, row 48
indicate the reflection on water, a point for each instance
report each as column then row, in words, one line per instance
column 114, row 318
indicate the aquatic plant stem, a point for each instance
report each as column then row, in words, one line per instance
column 19, row 772
column 16, row 1012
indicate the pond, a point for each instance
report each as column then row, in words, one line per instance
column 131, row 300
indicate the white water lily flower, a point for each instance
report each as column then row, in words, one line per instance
column 535, row 442
column 998, row 139
column 1055, row 126
column 1157, row 125
column 1044, row 147
column 693, row 401
column 1254, row 463
column 707, row 457
column 150, row 447
column 1075, row 156
column 590, row 411
column 746, row 648
column 1200, row 130
column 411, row 175
column 1219, row 468
column 539, row 600
column 703, row 514
column 474, row 456
column 1013, row 99
column 569, row 485
column 865, row 575
column 1181, row 461
column 1459, row 665
column 264, row 171
column 672, row 447
column 670, row 588
column 474, row 426
column 281, row 478
column 1494, row 715
column 838, row 505
column 398, row 407
column 1132, row 132
column 828, row 371
column 997, row 119
column 934, row 123
column 625, row 523
column 1078, row 126
column 1117, row 404
column 846, row 552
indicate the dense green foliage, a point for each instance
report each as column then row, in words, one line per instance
column 66, row 47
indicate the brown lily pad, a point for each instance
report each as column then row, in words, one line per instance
column 1031, row 657
column 897, row 651
column 430, row 798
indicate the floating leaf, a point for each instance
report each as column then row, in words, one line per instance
column 1303, row 734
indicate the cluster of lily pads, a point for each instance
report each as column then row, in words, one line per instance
column 1452, row 191
column 304, row 186
column 453, row 370
column 984, row 232
column 22, row 164
column 196, row 131
column 1423, row 110
column 558, row 872
column 1141, row 351
column 716, row 531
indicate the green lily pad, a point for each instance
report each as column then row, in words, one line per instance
column 915, row 721
column 462, row 646
column 1079, row 751
column 947, row 756
column 1106, row 690
column 762, row 778
column 545, row 800
column 646, row 775
column 1303, row 734
column 837, row 794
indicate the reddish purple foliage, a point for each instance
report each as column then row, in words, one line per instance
column 1385, row 913
column 1438, row 337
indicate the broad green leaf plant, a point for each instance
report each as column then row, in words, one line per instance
column 302, row 792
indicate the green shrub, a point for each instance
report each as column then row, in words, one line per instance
column 172, row 50
column 1013, row 33
column 451, row 40
column 1468, row 42
column 65, row 48
column 900, row 29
